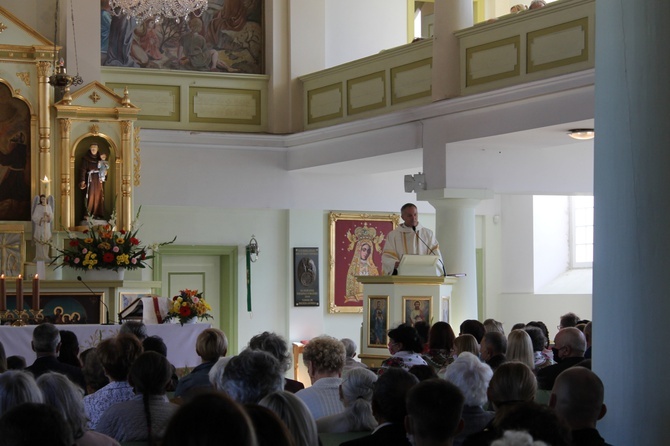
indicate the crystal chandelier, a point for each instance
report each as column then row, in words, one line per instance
column 158, row 9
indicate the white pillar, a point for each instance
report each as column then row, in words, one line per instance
column 455, row 232
column 631, row 303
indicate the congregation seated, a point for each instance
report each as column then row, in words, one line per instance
column 324, row 358
column 472, row 377
column 540, row 358
column 156, row 344
column 405, row 347
column 69, row 348
column 569, row 347
column 440, row 346
column 356, row 392
column 389, row 409
column 269, row 428
column 494, row 325
column 588, row 335
column 434, row 413
column 520, row 348
column 295, row 414
column 91, row 367
column 473, row 327
column 46, row 345
column 493, row 348
column 62, row 394
column 33, row 424
column 18, row 387
column 251, row 375
column 116, row 355
column 136, row 328
column 277, row 347
column 144, row 417
column 16, row 362
column 210, row 345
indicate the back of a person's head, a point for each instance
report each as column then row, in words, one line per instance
column 150, row 373
column 154, row 344
column 91, row 367
column 325, row 353
column 270, row 429
column 517, row 438
column 423, row 371
column 512, row 382
column 466, row 343
column 16, row 362
column 62, row 394
column 18, row 387
column 496, row 341
column 117, row 354
column 211, row 344
column 216, row 417
column 69, row 347
column 46, row 338
column 136, row 328
column 407, row 336
column 520, row 348
column 536, row 338
column 388, row 396
column 538, row 420
column 358, row 384
column 434, row 410
column 542, row 326
column 494, row 325
column 422, row 329
column 295, row 414
column 251, row 375
column 216, row 372
column 349, row 347
column 471, row 376
column 441, row 336
column 573, row 338
column 3, row 358
column 577, row 397
column 32, row 424
column 473, row 327
column 569, row 320
column 275, row 345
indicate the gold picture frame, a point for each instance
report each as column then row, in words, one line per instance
column 417, row 309
column 378, row 321
column 350, row 234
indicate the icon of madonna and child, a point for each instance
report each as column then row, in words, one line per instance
column 364, row 242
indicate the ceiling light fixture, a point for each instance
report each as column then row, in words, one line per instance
column 158, row 9
column 581, row 134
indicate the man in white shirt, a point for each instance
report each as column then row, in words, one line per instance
column 408, row 238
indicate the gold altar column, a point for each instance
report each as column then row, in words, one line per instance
column 44, row 127
column 126, row 173
column 67, row 158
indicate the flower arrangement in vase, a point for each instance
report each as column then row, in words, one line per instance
column 103, row 247
column 187, row 306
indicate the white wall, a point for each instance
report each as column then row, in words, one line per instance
column 551, row 249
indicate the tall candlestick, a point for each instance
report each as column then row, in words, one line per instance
column 3, row 294
column 19, row 293
column 36, row 292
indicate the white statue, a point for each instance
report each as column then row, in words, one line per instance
column 42, row 217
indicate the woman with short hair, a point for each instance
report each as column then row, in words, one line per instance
column 405, row 347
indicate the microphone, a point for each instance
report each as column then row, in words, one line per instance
column 444, row 271
column 102, row 300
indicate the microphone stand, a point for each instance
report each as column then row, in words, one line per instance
column 102, row 300
column 444, row 271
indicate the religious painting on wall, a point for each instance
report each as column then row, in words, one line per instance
column 417, row 309
column 64, row 308
column 378, row 321
column 356, row 243
column 226, row 38
column 15, row 158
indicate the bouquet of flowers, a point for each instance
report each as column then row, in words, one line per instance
column 187, row 305
column 104, row 247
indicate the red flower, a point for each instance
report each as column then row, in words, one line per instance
column 185, row 311
column 74, row 242
column 134, row 241
column 85, row 231
column 144, row 255
column 66, row 258
column 123, row 231
column 108, row 257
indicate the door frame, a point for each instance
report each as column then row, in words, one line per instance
column 227, row 282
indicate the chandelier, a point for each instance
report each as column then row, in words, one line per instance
column 157, row 9
column 60, row 79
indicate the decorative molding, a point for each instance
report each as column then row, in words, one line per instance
column 137, row 161
column 157, row 102
column 94, row 129
column 43, row 68
column 24, row 76
column 558, row 45
column 2, row 27
column 126, row 127
column 95, row 97
column 366, row 93
column 493, row 61
column 411, row 81
column 224, row 105
column 325, row 103
column 65, row 127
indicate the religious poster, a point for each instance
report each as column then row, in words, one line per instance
column 417, row 309
column 306, row 283
column 356, row 244
column 378, row 321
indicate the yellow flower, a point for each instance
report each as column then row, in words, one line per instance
column 88, row 240
column 120, row 240
column 122, row 259
column 104, row 245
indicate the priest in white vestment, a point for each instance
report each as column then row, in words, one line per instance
column 408, row 238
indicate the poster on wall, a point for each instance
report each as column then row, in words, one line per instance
column 225, row 37
column 306, row 283
column 356, row 243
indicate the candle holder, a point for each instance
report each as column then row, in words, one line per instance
column 22, row 318
column 37, row 316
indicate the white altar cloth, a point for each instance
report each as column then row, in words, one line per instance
column 180, row 340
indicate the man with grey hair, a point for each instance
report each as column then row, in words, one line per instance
column 251, row 375
column 350, row 351
column 569, row 348
column 578, row 398
column 46, row 345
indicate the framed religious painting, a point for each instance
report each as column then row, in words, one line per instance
column 417, row 309
column 378, row 321
column 356, row 243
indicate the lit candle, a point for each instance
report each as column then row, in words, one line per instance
column 19, row 293
column 3, row 294
column 36, row 292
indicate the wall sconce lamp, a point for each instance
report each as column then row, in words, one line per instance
column 581, row 134
column 253, row 249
